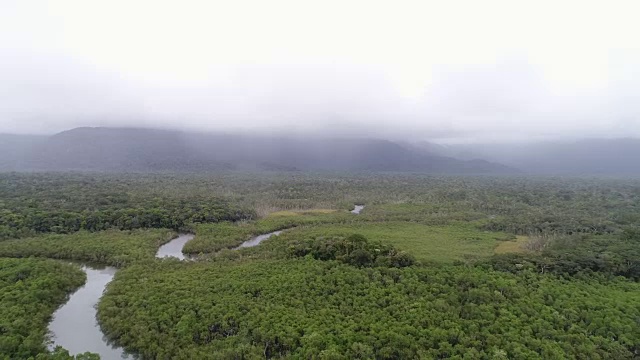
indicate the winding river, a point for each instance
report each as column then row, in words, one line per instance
column 260, row 238
column 257, row 240
column 74, row 325
column 174, row 247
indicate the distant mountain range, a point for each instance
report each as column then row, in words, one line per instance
column 143, row 150
column 150, row 150
column 581, row 157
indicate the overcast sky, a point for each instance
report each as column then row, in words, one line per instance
column 448, row 71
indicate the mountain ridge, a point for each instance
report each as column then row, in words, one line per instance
column 143, row 149
column 591, row 156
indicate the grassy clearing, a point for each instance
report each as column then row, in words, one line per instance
column 512, row 246
column 430, row 233
column 442, row 244
column 429, row 213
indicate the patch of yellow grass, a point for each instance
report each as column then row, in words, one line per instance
column 512, row 246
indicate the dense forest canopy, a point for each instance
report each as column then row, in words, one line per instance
column 433, row 267
column 109, row 247
column 302, row 308
column 40, row 203
column 30, row 290
column 67, row 202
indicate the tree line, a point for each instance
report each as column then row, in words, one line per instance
column 30, row 291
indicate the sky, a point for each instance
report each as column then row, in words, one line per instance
column 444, row 71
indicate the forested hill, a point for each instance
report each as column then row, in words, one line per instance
column 127, row 149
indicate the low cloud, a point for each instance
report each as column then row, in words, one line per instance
column 422, row 77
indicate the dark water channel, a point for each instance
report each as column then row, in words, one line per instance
column 257, row 240
column 260, row 238
column 357, row 209
column 174, row 247
column 74, row 325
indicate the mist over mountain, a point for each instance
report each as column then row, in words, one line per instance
column 149, row 150
column 15, row 150
column 131, row 149
column 581, row 157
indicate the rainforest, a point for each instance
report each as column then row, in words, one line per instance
column 276, row 265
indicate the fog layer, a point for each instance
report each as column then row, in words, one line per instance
column 453, row 72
